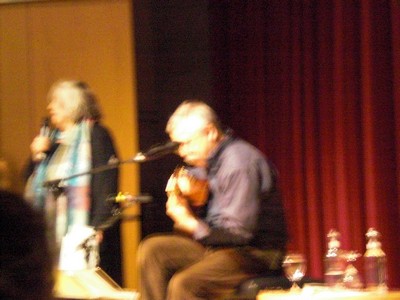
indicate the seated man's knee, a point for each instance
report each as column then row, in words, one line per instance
column 148, row 248
column 183, row 283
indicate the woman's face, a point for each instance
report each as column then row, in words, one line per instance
column 59, row 108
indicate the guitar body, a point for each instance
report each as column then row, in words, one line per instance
column 184, row 184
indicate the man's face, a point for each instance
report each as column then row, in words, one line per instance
column 193, row 134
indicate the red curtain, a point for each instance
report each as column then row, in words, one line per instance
column 316, row 86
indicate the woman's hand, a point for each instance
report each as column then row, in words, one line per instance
column 39, row 146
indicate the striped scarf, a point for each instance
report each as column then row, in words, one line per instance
column 69, row 204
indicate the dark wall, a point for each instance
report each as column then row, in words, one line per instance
column 173, row 64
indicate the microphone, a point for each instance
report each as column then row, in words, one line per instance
column 45, row 132
column 126, row 197
column 45, row 129
column 157, row 151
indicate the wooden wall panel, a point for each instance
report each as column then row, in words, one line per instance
column 41, row 42
column 15, row 104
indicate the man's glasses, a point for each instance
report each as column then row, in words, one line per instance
column 191, row 141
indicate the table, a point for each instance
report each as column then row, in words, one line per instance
column 92, row 284
column 328, row 295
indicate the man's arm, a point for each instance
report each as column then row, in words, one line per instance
column 233, row 213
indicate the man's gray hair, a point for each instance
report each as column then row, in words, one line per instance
column 190, row 108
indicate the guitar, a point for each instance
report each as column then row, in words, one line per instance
column 184, row 184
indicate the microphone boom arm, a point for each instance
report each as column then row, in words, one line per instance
column 152, row 154
column 112, row 164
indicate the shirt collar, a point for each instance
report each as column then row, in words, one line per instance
column 228, row 137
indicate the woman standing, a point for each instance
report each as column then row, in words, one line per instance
column 77, row 144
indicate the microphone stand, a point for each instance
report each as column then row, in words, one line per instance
column 56, row 187
column 153, row 153
column 116, row 214
column 113, row 163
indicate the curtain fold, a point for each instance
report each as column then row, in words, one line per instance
column 315, row 85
